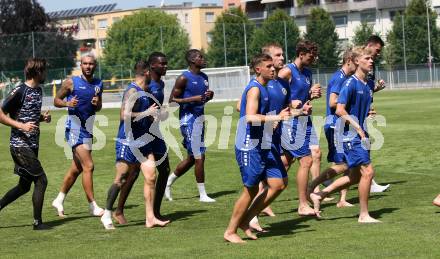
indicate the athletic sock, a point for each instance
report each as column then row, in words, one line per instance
column 171, row 179
column 202, row 190
column 61, row 196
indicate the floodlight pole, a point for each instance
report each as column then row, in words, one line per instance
column 404, row 51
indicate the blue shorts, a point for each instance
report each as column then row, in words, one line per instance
column 274, row 165
column 333, row 155
column 297, row 138
column 252, row 166
column 193, row 138
column 75, row 137
column 356, row 154
column 127, row 153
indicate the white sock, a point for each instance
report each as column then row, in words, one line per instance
column 93, row 204
column 373, row 182
column 171, row 179
column 107, row 213
column 202, row 190
column 61, row 196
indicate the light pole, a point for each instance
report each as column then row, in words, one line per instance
column 429, row 43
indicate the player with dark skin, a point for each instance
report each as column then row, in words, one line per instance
column 196, row 62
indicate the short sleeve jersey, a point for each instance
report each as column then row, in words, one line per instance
column 157, row 90
column 23, row 104
column 196, row 84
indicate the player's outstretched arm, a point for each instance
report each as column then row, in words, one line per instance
column 65, row 90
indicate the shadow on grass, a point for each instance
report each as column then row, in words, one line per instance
column 175, row 216
column 287, row 227
column 65, row 220
column 395, row 182
column 377, row 214
column 222, row 193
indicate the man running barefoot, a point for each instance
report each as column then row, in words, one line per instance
column 337, row 159
column 158, row 68
column 23, row 105
column 84, row 99
column 132, row 147
column 253, row 148
column 353, row 108
column 298, row 134
column 191, row 92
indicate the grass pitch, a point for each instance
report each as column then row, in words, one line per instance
column 409, row 160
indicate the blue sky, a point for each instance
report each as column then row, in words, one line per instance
column 55, row 5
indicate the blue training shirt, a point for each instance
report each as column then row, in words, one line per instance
column 127, row 134
column 84, row 92
column 157, row 90
column 196, row 84
column 279, row 99
column 248, row 136
column 334, row 86
column 300, row 83
column 357, row 97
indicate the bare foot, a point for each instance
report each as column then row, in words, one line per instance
column 368, row 219
column 120, row 218
column 233, row 238
column 316, row 199
column 248, row 232
column 162, row 218
column 268, row 211
column 436, row 201
column 344, row 204
column 155, row 223
column 306, row 211
column 255, row 225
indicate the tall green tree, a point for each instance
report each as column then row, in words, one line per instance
column 136, row 36
column 26, row 31
column 362, row 33
column 415, row 28
column 279, row 27
column 228, row 38
column 320, row 29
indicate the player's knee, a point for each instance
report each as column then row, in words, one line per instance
column 150, row 179
column 368, row 173
column 316, row 154
column 88, row 167
column 43, row 181
column 306, row 162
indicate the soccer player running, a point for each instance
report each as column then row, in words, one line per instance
column 191, row 92
column 337, row 159
column 158, row 68
column 23, row 105
column 83, row 99
column 132, row 147
column 353, row 108
column 375, row 44
column 253, row 150
column 298, row 135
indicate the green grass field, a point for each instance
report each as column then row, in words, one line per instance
column 409, row 160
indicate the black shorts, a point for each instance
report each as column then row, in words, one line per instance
column 26, row 162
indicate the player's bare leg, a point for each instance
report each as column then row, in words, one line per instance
column 84, row 155
column 149, row 171
column 315, row 169
column 264, row 199
column 342, row 203
column 164, row 170
column 302, row 178
column 118, row 214
column 72, row 174
column 240, row 208
column 367, row 174
column 268, row 210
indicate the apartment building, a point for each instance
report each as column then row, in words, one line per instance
column 347, row 14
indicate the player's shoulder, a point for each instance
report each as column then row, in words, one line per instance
column 307, row 71
column 202, row 74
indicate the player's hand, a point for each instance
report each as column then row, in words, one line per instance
column 380, row 85
column 361, row 133
column 198, row 98
column 296, row 104
column 28, row 126
column 307, row 108
column 285, row 114
column 209, row 95
column 315, row 91
column 47, row 117
column 95, row 100
column 73, row 102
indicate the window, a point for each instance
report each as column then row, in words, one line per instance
column 116, row 19
column 437, row 9
column 102, row 43
column 340, row 21
column 209, row 37
column 102, row 23
column 231, row 5
column 186, row 18
column 368, row 17
column 209, row 17
column 394, row 13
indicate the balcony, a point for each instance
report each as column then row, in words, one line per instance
column 337, row 7
column 385, row 4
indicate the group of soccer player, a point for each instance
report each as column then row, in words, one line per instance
column 274, row 130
